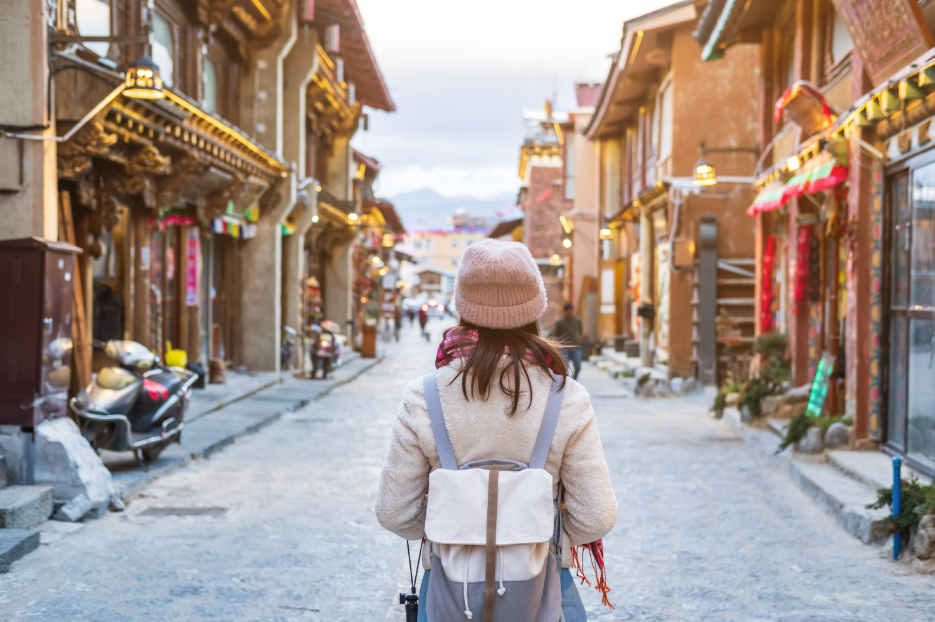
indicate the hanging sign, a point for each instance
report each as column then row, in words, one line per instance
column 191, row 267
column 816, row 398
column 888, row 34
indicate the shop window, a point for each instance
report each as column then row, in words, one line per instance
column 840, row 40
column 209, row 85
column 911, row 236
column 665, row 121
column 164, row 48
column 570, row 165
column 170, row 299
column 93, row 20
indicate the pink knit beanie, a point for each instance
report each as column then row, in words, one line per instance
column 498, row 285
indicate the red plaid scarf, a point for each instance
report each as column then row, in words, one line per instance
column 458, row 344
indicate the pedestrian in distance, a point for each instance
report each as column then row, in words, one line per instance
column 397, row 321
column 568, row 331
column 497, row 440
column 411, row 314
column 424, row 319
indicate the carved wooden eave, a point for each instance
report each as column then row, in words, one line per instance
column 167, row 153
column 179, row 124
column 251, row 23
column 328, row 100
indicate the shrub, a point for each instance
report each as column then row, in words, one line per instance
column 917, row 501
column 802, row 421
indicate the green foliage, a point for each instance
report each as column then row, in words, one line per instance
column 771, row 346
column 753, row 391
column 720, row 401
column 917, row 501
column 802, row 421
column 775, row 368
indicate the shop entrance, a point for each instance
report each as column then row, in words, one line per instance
column 911, row 233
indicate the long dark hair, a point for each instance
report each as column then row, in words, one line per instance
column 481, row 359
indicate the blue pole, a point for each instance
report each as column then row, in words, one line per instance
column 897, row 504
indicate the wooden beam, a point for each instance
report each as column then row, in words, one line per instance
column 81, row 350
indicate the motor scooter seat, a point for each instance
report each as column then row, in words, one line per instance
column 158, row 388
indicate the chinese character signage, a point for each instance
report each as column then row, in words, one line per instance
column 888, row 34
column 191, row 267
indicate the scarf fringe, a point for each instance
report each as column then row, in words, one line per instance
column 595, row 552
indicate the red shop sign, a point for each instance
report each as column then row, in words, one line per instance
column 191, row 268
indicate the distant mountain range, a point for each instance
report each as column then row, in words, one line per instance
column 425, row 209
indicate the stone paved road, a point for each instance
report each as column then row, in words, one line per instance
column 704, row 532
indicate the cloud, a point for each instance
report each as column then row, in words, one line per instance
column 461, row 74
column 448, row 181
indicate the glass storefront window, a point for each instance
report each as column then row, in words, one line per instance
column 209, row 78
column 93, row 20
column 170, row 293
column 164, row 48
column 911, row 400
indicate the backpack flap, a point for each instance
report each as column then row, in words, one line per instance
column 457, row 507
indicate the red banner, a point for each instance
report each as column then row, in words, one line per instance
column 766, row 288
column 191, row 267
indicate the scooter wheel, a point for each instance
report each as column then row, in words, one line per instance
column 152, row 454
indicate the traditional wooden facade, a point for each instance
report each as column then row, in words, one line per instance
column 194, row 230
column 844, row 206
column 659, row 107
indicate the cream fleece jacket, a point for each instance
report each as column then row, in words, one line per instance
column 481, row 429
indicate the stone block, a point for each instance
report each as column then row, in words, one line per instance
column 923, row 540
column 15, row 544
column 689, row 386
column 838, row 435
column 25, row 507
column 797, row 395
column 733, row 399
column 769, row 404
column 812, row 443
column 66, row 462
column 676, row 384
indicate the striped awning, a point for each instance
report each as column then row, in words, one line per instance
column 823, row 172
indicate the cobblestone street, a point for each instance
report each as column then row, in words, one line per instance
column 279, row 527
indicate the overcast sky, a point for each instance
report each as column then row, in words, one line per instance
column 460, row 74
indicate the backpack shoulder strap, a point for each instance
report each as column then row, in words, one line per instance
column 553, row 407
column 442, row 441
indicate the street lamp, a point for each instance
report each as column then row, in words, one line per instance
column 142, row 80
column 705, row 174
column 566, row 242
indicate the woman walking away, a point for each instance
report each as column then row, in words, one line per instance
column 501, row 438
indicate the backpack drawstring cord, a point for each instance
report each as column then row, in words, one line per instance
column 467, row 563
column 502, row 589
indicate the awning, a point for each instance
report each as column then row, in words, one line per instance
column 823, row 172
column 769, row 199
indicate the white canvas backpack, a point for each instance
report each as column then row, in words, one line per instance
column 494, row 530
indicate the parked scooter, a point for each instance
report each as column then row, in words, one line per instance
column 138, row 406
column 326, row 348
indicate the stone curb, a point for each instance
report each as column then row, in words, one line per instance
column 837, row 494
column 223, row 403
column 213, row 448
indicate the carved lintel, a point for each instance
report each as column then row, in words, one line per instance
column 169, row 187
column 110, row 214
column 74, row 156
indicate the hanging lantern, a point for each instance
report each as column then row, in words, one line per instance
column 142, row 80
column 705, row 175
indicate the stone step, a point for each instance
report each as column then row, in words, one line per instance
column 16, row 543
column 25, row 507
